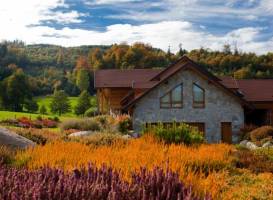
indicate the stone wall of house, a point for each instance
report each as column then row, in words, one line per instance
column 219, row 106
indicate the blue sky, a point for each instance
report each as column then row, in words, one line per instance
column 161, row 23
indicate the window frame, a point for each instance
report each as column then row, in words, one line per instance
column 169, row 93
column 198, row 104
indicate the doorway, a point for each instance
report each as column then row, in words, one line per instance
column 226, row 131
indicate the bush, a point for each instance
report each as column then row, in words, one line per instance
column 245, row 131
column 261, row 133
column 81, row 124
column 46, row 134
column 91, row 183
column 31, row 106
column 257, row 163
column 91, row 112
column 43, row 110
column 176, row 133
column 124, row 123
column 6, row 155
column 38, row 139
column 100, row 139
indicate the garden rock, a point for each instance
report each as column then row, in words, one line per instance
column 268, row 144
column 13, row 140
column 243, row 143
column 251, row 146
column 135, row 135
column 126, row 137
column 81, row 133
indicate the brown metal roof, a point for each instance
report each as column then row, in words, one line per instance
column 257, row 90
column 229, row 82
column 254, row 90
column 113, row 78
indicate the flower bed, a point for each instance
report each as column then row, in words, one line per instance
column 25, row 122
column 93, row 183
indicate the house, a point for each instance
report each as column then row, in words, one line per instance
column 186, row 92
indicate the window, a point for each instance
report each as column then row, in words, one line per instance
column 198, row 96
column 173, row 99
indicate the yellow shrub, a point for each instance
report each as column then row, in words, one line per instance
column 193, row 163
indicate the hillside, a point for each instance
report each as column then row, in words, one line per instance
column 52, row 67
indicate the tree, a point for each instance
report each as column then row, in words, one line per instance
column 60, row 103
column 60, row 57
column 83, row 103
column 43, row 110
column 82, row 79
column 82, row 63
column 31, row 106
column 16, row 91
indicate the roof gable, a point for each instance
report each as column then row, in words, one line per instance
column 183, row 64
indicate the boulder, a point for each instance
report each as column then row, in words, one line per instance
column 243, row 143
column 268, row 144
column 126, row 136
column 81, row 133
column 135, row 135
column 13, row 140
column 251, row 146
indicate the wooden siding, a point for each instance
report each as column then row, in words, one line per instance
column 109, row 99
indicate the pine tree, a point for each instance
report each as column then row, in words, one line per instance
column 60, row 103
column 43, row 110
column 83, row 103
column 60, row 57
column 82, row 79
column 31, row 106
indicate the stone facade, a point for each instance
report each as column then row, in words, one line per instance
column 219, row 106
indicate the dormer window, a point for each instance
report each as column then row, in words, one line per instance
column 198, row 96
column 173, row 99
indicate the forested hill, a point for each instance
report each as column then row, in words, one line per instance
column 50, row 67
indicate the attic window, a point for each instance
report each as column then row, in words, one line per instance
column 173, row 99
column 198, row 96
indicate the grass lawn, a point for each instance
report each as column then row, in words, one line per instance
column 45, row 100
column 12, row 115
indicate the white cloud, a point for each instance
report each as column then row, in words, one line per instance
column 160, row 35
column 14, row 13
column 18, row 17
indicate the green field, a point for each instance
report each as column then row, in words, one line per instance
column 46, row 102
column 12, row 115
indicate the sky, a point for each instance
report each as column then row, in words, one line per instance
column 247, row 24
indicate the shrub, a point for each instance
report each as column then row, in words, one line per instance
column 39, row 139
column 100, row 139
column 192, row 163
column 91, row 183
column 124, row 123
column 257, row 163
column 176, row 133
column 43, row 110
column 91, row 112
column 245, row 131
column 25, row 122
column 31, row 106
column 266, row 152
column 81, row 124
column 42, row 135
column 6, row 155
column 261, row 133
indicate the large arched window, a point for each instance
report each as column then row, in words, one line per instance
column 198, row 96
column 173, row 99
